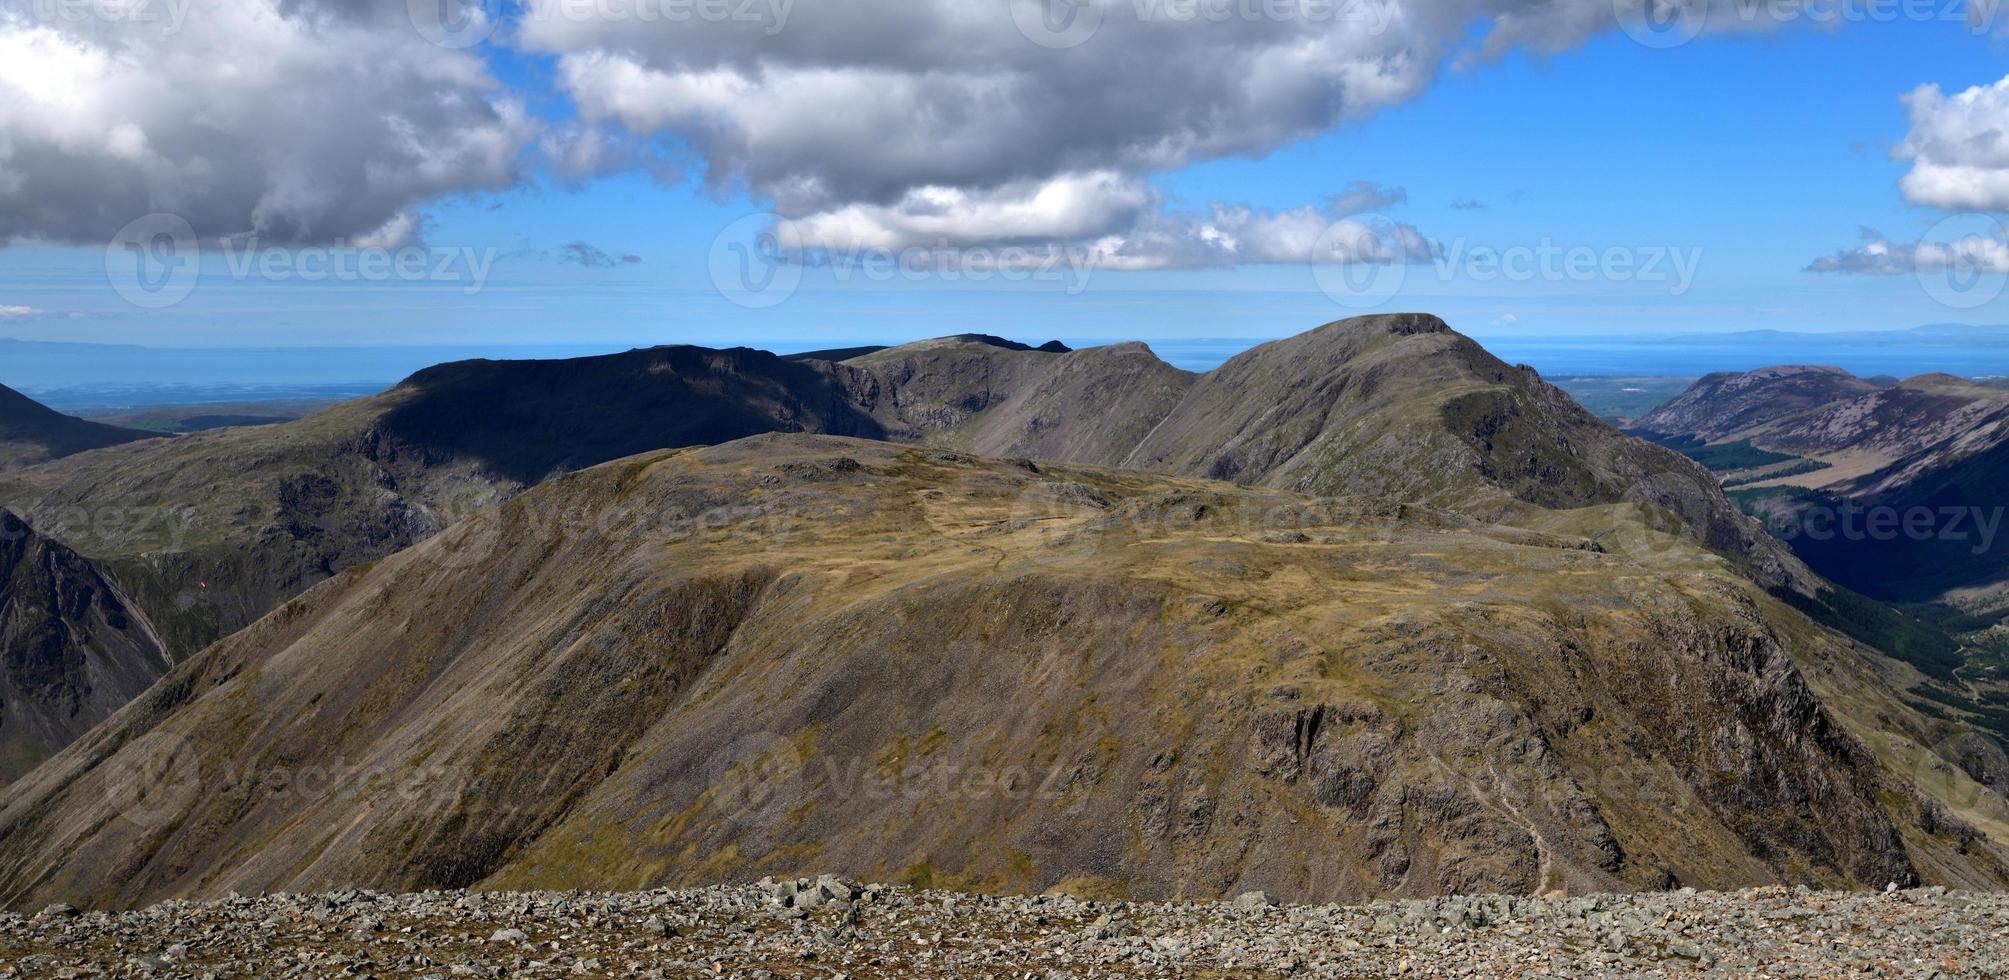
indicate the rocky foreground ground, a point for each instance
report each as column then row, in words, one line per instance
column 832, row 928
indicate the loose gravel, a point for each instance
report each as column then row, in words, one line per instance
column 831, row 928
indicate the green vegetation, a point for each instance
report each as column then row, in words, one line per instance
column 1949, row 645
column 1728, row 456
column 1993, row 718
column 1724, row 457
column 1802, row 467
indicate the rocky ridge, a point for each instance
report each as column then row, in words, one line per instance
column 829, row 927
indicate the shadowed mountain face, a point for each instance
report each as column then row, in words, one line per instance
column 31, row 433
column 72, row 647
column 1932, row 450
column 213, row 529
column 1957, row 492
column 797, row 652
column 525, row 420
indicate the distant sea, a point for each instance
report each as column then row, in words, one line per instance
column 75, row 377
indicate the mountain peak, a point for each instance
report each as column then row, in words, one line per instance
column 990, row 340
column 1394, row 324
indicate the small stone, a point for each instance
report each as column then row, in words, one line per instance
column 1249, row 901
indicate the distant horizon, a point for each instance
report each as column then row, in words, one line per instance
column 827, row 343
column 74, row 376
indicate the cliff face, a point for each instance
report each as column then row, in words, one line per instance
column 72, row 648
column 791, row 653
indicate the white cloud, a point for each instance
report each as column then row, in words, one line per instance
column 1067, row 207
column 13, row 311
column 1879, row 256
column 316, row 121
column 299, row 122
column 1101, row 220
column 897, row 123
column 1958, row 147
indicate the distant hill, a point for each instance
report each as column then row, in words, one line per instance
column 911, row 662
column 1723, row 404
column 31, row 433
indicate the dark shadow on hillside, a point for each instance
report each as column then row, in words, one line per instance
column 528, row 419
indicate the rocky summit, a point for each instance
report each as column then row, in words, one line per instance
column 832, row 928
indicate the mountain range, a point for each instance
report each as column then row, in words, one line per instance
column 791, row 652
column 1806, row 445
column 1367, row 595
column 221, row 526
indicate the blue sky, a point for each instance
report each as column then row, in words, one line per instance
column 1737, row 160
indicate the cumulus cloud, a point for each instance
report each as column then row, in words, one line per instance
column 593, row 257
column 335, row 121
column 1121, row 225
column 1879, row 256
column 945, row 120
column 296, row 122
column 1958, row 147
column 1225, row 235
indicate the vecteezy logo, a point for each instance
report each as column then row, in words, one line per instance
column 152, row 781
column 1057, row 24
column 1661, row 23
column 754, row 779
column 452, row 23
column 154, row 262
column 749, row 265
column 1357, row 261
column 1962, row 261
column 467, row 538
